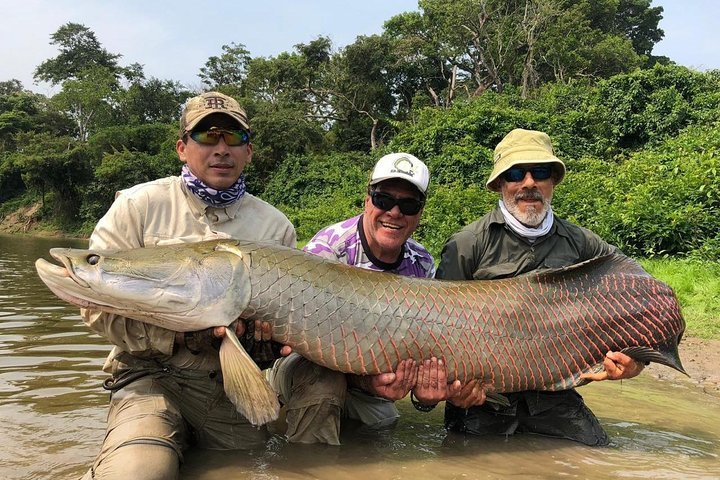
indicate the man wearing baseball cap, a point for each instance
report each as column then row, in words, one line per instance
column 379, row 239
column 166, row 389
column 521, row 235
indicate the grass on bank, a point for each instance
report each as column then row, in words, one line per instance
column 697, row 286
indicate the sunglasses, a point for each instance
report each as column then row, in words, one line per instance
column 385, row 201
column 232, row 138
column 517, row 174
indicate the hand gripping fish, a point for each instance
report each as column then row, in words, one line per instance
column 538, row 331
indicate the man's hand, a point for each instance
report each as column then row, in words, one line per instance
column 256, row 337
column 391, row 386
column 471, row 394
column 262, row 332
column 432, row 386
column 617, row 366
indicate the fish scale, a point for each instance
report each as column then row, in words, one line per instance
column 534, row 332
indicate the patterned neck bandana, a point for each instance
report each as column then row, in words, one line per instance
column 212, row 196
column 530, row 233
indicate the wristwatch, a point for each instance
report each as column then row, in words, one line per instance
column 421, row 407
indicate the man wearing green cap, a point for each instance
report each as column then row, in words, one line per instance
column 521, row 235
column 167, row 391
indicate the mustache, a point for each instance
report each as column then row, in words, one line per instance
column 529, row 195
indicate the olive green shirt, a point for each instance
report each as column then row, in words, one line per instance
column 488, row 249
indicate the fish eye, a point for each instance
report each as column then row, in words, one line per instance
column 93, row 259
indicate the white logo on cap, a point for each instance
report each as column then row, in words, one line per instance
column 403, row 165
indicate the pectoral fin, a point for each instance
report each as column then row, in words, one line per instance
column 244, row 383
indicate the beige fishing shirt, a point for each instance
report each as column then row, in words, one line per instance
column 163, row 212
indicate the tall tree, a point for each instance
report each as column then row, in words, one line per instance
column 88, row 100
column 80, row 50
column 151, row 101
column 228, row 69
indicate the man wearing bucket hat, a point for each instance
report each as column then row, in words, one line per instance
column 316, row 398
column 167, row 391
column 520, row 235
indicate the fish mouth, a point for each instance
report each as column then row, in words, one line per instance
column 69, row 270
column 61, row 280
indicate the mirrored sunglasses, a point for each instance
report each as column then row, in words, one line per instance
column 517, row 174
column 232, row 138
column 385, row 201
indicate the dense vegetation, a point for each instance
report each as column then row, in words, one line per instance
column 639, row 134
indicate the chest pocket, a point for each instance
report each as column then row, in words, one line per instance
column 491, row 272
column 559, row 261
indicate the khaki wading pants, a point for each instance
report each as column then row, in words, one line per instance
column 155, row 418
column 316, row 398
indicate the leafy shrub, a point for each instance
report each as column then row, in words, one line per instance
column 448, row 209
column 302, row 180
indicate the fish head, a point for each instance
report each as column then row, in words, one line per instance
column 182, row 287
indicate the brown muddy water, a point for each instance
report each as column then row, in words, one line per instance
column 52, row 415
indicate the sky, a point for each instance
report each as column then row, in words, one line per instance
column 173, row 40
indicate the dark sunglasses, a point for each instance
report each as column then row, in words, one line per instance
column 232, row 138
column 517, row 174
column 385, row 201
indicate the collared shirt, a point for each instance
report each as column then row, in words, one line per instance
column 163, row 212
column 344, row 241
column 488, row 249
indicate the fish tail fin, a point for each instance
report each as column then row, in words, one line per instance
column 666, row 354
column 244, row 383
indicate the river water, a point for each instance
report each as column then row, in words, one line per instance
column 52, row 415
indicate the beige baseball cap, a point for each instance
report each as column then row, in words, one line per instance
column 523, row 146
column 208, row 103
column 404, row 166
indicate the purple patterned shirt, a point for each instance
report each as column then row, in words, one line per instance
column 343, row 241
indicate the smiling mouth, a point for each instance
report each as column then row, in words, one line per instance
column 391, row 226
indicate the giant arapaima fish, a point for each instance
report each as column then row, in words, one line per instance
column 538, row 331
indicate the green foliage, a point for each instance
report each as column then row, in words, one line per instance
column 11, row 183
column 696, row 284
column 279, row 131
column 153, row 139
column 457, row 143
column 80, row 50
column 318, row 190
column 56, row 167
column 667, row 199
column 120, row 170
column 87, row 100
column 323, row 211
column 448, row 209
column 230, row 68
column 303, row 180
column 646, row 106
column 150, row 101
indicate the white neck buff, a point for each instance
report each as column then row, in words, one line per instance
column 527, row 232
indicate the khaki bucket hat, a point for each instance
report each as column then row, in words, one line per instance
column 523, row 146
